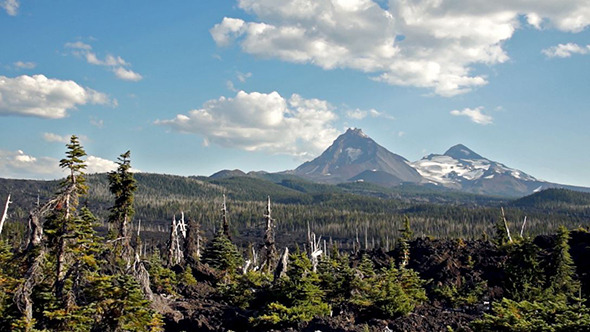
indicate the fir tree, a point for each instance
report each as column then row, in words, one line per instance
column 406, row 235
column 524, row 274
column 222, row 254
column 561, row 268
column 122, row 185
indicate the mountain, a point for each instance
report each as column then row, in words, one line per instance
column 353, row 153
column 226, row 173
column 462, row 169
column 355, row 157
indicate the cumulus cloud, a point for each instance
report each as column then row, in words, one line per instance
column 17, row 164
column 566, row 50
column 475, row 115
column 24, row 65
column 262, row 122
column 20, row 165
column 116, row 64
column 420, row 43
column 44, row 97
column 99, row 165
column 358, row 114
column 10, row 6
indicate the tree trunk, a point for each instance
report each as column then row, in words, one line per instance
column 4, row 214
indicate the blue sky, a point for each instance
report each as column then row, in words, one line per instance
column 193, row 87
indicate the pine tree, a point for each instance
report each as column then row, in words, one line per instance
column 222, row 254
column 524, row 274
column 298, row 296
column 406, row 235
column 71, row 188
column 561, row 269
column 122, row 185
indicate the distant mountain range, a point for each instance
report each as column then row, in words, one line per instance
column 355, row 157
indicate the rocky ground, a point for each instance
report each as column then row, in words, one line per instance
column 452, row 263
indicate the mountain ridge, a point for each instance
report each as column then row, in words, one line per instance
column 355, row 157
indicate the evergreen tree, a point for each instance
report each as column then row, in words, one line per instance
column 561, row 268
column 406, row 235
column 502, row 236
column 524, row 274
column 122, row 185
column 222, row 254
column 298, row 296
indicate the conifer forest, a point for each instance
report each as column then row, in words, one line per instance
column 128, row 251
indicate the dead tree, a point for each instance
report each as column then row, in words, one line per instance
column 281, row 269
column 315, row 250
column 175, row 254
column 224, row 221
column 4, row 214
column 269, row 251
column 521, row 229
column 192, row 250
column 506, row 225
column 36, row 246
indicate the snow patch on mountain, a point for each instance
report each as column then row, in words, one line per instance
column 447, row 170
column 353, row 154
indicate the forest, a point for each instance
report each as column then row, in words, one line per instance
column 143, row 252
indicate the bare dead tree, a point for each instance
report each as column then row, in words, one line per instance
column 36, row 246
column 506, row 225
column 193, row 241
column 315, row 251
column 224, row 221
column 175, row 254
column 269, row 251
column 5, row 213
column 281, row 269
column 521, row 229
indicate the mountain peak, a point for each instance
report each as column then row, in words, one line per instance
column 355, row 132
column 353, row 153
column 460, row 151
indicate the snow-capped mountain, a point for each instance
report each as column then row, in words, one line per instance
column 353, row 153
column 354, row 156
column 461, row 168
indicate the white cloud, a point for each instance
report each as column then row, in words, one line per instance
column 242, row 77
column 52, row 137
column 11, row 6
column 127, row 75
column 44, row 97
column 566, row 50
column 24, row 65
column 475, row 115
column 230, row 86
column 359, row 114
column 99, row 165
column 115, row 63
column 420, row 43
column 262, row 122
column 17, row 164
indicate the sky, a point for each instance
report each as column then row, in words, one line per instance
column 194, row 87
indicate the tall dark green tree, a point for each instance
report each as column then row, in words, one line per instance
column 71, row 188
column 561, row 268
column 524, row 273
column 406, row 235
column 222, row 254
column 122, row 185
